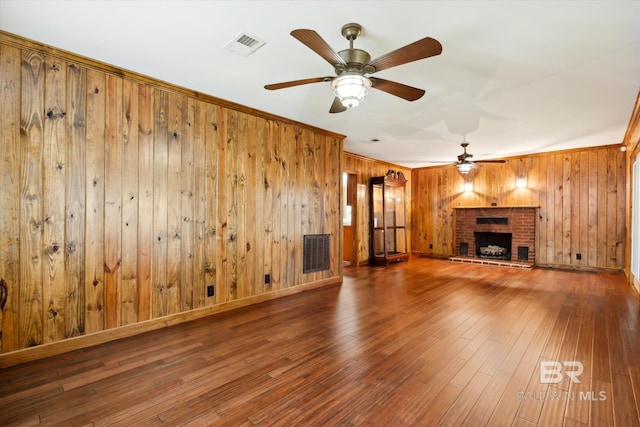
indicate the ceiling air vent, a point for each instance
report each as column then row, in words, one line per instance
column 244, row 44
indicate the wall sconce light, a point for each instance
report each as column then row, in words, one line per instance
column 521, row 182
column 468, row 186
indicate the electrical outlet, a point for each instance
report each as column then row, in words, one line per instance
column 578, row 256
column 430, row 246
column 267, row 278
column 210, row 290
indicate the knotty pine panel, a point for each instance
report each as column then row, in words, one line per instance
column 581, row 195
column 365, row 169
column 130, row 200
column 30, row 175
column 145, row 226
column 53, row 292
column 94, row 256
column 124, row 199
column 75, row 190
column 10, row 232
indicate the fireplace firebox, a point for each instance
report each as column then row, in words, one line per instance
column 493, row 245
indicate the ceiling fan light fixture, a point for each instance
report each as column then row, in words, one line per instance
column 351, row 89
column 464, row 167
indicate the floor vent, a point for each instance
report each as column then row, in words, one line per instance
column 523, row 253
column 316, row 253
column 244, row 44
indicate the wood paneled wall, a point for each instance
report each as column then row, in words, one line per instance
column 580, row 193
column 123, row 198
column 366, row 168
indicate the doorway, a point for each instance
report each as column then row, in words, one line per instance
column 349, row 222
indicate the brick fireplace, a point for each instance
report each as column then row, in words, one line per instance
column 496, row 233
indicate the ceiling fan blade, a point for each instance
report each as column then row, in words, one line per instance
column 337, row 106
column 489, row 161
column 313, row 41
column 398, row 89
column 283, row 85
column 420, row 49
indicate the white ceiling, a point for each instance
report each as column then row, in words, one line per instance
column 513, row 78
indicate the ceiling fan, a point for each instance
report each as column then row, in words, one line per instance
column 465, row 164
column 350, row 85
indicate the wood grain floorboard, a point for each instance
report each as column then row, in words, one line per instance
column 421, row 343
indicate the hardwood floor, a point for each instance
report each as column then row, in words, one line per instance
column 426, row 342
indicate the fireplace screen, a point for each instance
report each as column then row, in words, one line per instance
column 493, row 245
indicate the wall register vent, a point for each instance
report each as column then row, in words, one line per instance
column 316, row 253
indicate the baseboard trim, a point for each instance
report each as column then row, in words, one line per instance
column 42, row 351
column 583, row 268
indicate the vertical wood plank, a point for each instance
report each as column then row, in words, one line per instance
column 113, row 203
column 265, row 181
column 325, row 204
column 95, row 188
column 575, row 209
column 542, row 190
column 613, row 237
column 592, row 227
column 290, row 175
column 187, row 240
column 285, row 214
column 333, row 207
column 130, row 202
column 567, row 213
column 222, row 265
column 199, row 201
column 10, row 182
column 620, row 204
column 304, row 180
column 602, row 211
column 243, row 139
column 160, row 189
column 146, row 217
column 294, row 234
column 175, row 140
column 214, row 244
column 253, row 217
column 363, row 218
column 288, row 145
column 558, row 220
column 276, row 206
column 55, row 150
column 584, row 207
column 75, row 190
column 319, row 177
column 231, row 219
column 31, row 239
column 551, row 211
